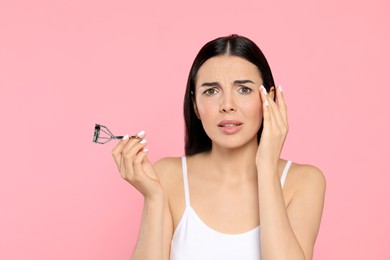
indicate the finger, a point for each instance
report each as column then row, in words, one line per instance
column 133, row 140
column 139, row 172
column 148, row 168
column 282, row 104
column 117, row 151
column 275, row 119
column 265, row 104
column 276, row 115
column 141, row 156
column 130, row 156
column 130, row 144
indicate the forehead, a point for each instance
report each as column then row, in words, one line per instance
column 227, row 67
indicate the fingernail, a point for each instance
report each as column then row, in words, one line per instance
column 143, row 141
column 264, row 90
column 141, row 134
column 280, row 88
column 125, row 137
column 146, row 150
column 266, row 103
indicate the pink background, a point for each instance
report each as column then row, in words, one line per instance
column 68, row 64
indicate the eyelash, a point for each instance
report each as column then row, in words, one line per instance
column 246, row 91
column 207, row 92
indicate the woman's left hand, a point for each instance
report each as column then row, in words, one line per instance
column 275, row 129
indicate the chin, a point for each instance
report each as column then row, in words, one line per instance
column 233, row 142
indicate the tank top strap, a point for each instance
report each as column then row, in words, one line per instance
column 284, row 174
column 185, row 181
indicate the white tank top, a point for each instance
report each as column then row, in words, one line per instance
column 195, row 240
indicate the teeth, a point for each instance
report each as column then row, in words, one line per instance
column 227, row 125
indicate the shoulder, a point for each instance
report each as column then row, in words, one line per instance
column 307, row 177
column 168, row 169
column 310, row 173
column 167, row 163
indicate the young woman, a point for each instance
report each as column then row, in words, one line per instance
column 231, row 196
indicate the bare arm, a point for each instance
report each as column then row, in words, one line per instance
column 290, row 232
column 134, row 166
column 286, row 232
column 149, row 243
column 156, row 230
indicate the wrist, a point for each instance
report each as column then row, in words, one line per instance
column 264, row 167
column 267, row 173
column 153, row 208
column 154, row 198
column 267, row 163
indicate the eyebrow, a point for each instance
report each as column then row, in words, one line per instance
column 236, row 82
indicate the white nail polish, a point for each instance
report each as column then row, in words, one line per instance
column 264, row 90
column 146, row 150
column 125, row 137
column 266, row 103
column 141, row 133
column 143, row 141
column 280, row 88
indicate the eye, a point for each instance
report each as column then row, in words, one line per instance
column 244, row 90
column 210, row 92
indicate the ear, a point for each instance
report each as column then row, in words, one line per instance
column 195, row 108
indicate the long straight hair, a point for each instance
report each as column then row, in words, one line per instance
column 196, row 139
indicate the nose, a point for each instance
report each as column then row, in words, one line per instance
column 227, row 103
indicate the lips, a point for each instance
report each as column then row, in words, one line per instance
column 230, row 127
column 229, row 123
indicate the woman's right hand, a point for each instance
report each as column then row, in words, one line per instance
column 131, row 159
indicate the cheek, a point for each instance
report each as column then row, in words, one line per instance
column 202, row 109
column 253, row 107
column 202, row 113
column 205, row 108
column 254, row 112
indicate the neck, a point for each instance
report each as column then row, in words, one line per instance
column 234, row 164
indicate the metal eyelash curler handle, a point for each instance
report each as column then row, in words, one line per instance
column 102, row 135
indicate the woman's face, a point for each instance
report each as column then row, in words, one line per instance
column 227, row 100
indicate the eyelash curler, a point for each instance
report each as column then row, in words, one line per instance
column 102, row 135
